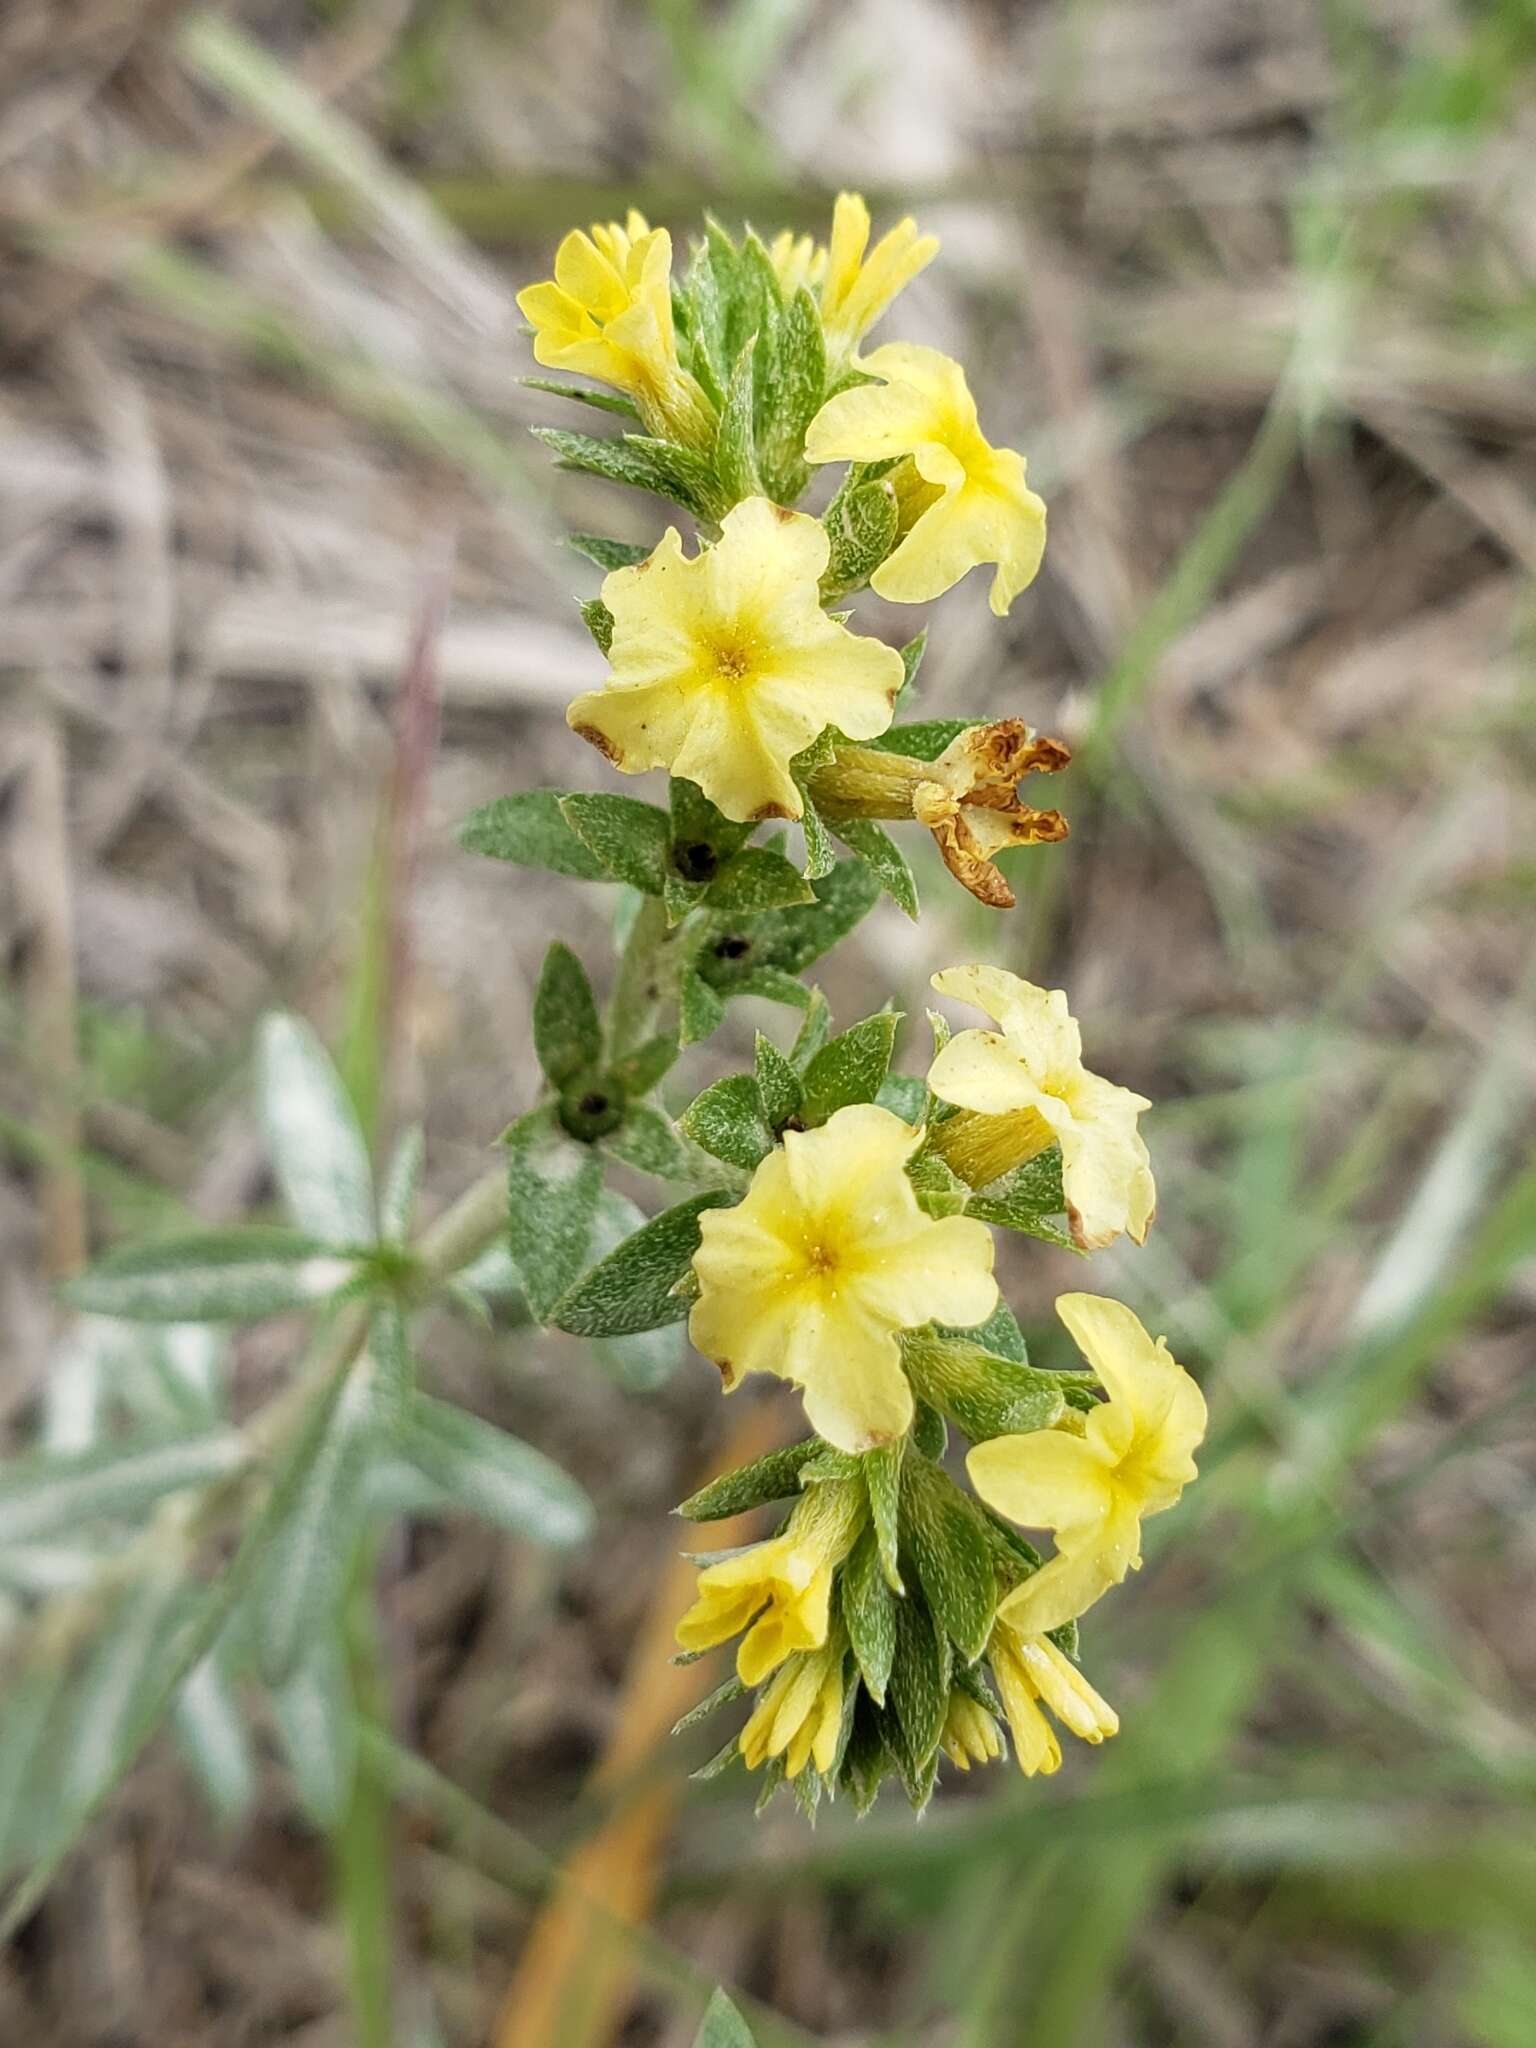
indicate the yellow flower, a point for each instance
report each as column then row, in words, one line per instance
column 725, row 666
column 826, row 1258
column 779, row 1591
column 800, row 1716
column 1134, row 1458
column 607, row 313
column 856, row 289
column 1025, row 1088
column 796, row 261
column 962, row 502
column 1029, row 1669
column 970, row 1734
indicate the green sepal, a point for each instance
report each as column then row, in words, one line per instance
column 778, row 1085
column 1027, row 1199
column 567, row 1034
column 754, row 880
column 553, row 1184
column 598, row 620
column 920, row 1679
column 869, row 1614
column 725, row 1695
column 815, row 1027
column 794, row 398
column 849, row 1068
column 719, row 1763
column 947, row 1538
column 603, row 401
column 629, row 839
column 633, row 1288
column 820, row 853
column 999, row 1334
column 661, row 467
column 531, row 830
column 983, row 1393
column 882, row 1484
column 929, row 1433
column 875, row 846
column 924, row 739
column 867, row 1761
column 773, row 1476
column 609, row 555
column 1014, row 1557
column 727, row 1121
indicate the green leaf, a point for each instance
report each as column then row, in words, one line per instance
column 985, row 1394
column 530, row 829
column 861, row 526
column 757, row 879
column 869, row 1613
column 787, row 941
column 849, row 1068
column 703, row 838
column 628, row 838
column 632, row 1289
column 778, row 1085
column 643, row 1362
column 317, row 1727
column 699, row 1007
column 735, row 451
column 318, row 1152
column 773, row 1476
column 567, row 1034
column 394, row 1365
column 608, row 554
column 299, row 1592
column 940, row 1190
column 820, row 853
column 604, row 401
column 774, row 986
column 1000, row 1334
column 906, row 1096
column 814, row 1028
column 882, row 1482
column 638, row 1072
column 216, row 1276
column 872, row 843
column 911, row 661
column 953, row 1555
column 211, row 1733
column 799, row 383
column 727, row 1121
column 660, row 467
column 724, row 1695
column 1026, row 1199
column 647, row 1142
column 496, row 1476
column 397, row 1203
column 924, row 740
column 919, row 1690
column 110, row 1691
column 552, row 1188
column 723, row 2026
column 52, row 1493
column 598, row 620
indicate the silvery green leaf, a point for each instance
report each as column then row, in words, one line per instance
column 78, row 1368
column 757, row 879
column 906, row 1096
column 394, row 1366
column 734, row 457
column 723, row 2026
column 869, row 1614
column 304, row 1572
column 117, row 1677
column 727, row 1121
column 778, row 1085
column 216, row 1276
column 1027, row 1199
column 29, row 1707
column 567, row 1034
column 799, row 384
column 318, row 1151
column 317, row 1727
column 212, row 1735
column 631, row 839
column 875, row 846
column 984, row 1393
column 1000, row 1334
column 661, row 467
column 911, row 661
column 633, row 1288
column 402, row 1183
column 815, row 1026
column 787, row 941
column 699, row 1007
column 48, row 1495
column 36, row 1571
column 882, row 1481
column 953, row 1554
column 498, row 1477
column 530, row 829
column 598, row 620
column 604, row 401
column 773, row 1476
column 647, row 1142
column 861, row 526
column 820, row 853
column 608, row 554
column 849, row 1068
column 553, row 1184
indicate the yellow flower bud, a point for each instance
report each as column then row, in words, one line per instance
column 1029, row 1670
column 970, row 1734
column 857, row 287
column 800, row 1715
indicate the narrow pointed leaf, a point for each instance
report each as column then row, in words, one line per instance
column 632, row 1289
column 567, row 1035
column 318, row 1151
column 224, row 1276
column 496, row 1476
column 553, row 1184
column 306, row 1566
column 58, row 1494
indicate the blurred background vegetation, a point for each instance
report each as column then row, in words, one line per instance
column 1255, row 288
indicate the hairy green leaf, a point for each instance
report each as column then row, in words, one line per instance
column 216, row 1276
column 496, row 1476
column 633, row 1288
column 727, row 1121
column 567, row 1034
column 318, row 1152
column 531, row 829
column 628, row 837
column 849, row 1068
column 553, row 1185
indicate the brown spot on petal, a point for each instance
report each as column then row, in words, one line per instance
column 766, row 811
column 783, row 514
column 730, row 1378
column 600, row 740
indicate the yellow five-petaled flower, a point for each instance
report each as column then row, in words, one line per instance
column 1134, row 1458
column 1024, row 1088
column 724, row 666
column 828, row 1255
column 607, row 313
column 961, row 502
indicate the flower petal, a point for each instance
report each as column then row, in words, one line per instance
column 1065, row 1586
column 940, row 1272
column 1044, row 1479
column 982, row 1071
column 856, row 1394
column 1139, row 1374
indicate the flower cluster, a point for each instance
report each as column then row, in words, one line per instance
column 837, row 1226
